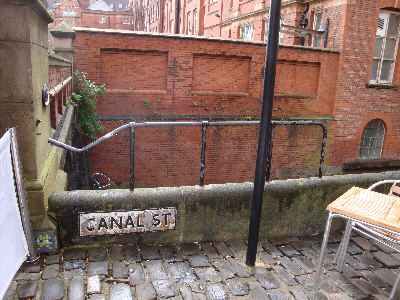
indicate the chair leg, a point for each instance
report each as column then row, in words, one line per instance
column 335, row 260
column 343, row 250
column 396, row 283
column 321, row 256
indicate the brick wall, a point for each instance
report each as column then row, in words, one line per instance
column 58, row 74
column 112, row 19
column 59, row 71
column 151, row 77
column 357, row 103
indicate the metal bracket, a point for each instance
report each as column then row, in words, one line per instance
column 45, row 95
column 98, row 183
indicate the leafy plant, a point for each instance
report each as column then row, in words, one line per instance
column 85, row 97
column 148, row 103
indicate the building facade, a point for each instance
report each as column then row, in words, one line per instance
column 200, row 81
column 111, row 14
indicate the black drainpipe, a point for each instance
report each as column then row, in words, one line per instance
column 177, row 17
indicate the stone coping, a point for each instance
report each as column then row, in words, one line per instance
column 200, row 38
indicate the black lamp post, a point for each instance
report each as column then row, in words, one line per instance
column 265, row 129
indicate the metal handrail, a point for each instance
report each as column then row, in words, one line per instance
column 204, row 124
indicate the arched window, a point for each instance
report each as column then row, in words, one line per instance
column 372, row 140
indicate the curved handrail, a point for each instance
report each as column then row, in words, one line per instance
column 204, row 125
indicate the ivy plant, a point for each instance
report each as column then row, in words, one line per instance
column 85, row 97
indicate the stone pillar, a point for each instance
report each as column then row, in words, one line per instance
column 63, row 37
column 23, row 73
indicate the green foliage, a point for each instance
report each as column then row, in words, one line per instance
column 85, row 97
column 148, row 103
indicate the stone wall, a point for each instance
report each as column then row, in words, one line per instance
column 213, row 212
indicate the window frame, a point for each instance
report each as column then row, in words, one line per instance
column 381, row 59
column 368, row 145
column 195, row 21
column 243, row 33
column 188, row 29
column 102, row 20
column 316, row 40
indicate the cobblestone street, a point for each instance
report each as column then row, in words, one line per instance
column 284, row 270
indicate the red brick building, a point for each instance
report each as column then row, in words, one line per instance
column 68, row 11
column 352, row 87
column 111, row 14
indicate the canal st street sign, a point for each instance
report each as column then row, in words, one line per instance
column 102, row 223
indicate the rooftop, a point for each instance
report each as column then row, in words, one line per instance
column 100, row 5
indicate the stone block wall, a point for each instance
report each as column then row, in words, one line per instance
column 214, row 212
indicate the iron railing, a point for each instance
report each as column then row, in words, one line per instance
column 204, row 125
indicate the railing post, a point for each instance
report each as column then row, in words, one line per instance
column 269, row 158
column 321, row 162
column 204, row 126
column 132, row 156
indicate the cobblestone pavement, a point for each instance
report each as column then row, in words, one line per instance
column 284, row 270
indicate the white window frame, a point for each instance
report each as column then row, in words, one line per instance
column 371, row 146
column 247, row 32
column 382, row 33
column 189, row 29
column 213, row 1
column 316, row 40
column 120, row 5
column 281, row 27
column 195, row 21
column 125, row 20
column 102, row 20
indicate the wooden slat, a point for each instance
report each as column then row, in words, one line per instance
column 369, row 206
column 395, row 189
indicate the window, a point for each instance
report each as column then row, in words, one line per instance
column 125, row 20
column 120, row 5
column 317, row 25
column 387, row 38
column 246, row 32
column 372, row 140
column 189, row 29
column 282, row 23
column 158, row 10
column 102, row 19
column 195, row 21
column 213, row 1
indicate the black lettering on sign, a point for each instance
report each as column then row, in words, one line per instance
column 156, row 220
column 129, row 222
column 119, row 225
column 102, row 223
column 138, row 222
column 166, row 217
column 90, row 224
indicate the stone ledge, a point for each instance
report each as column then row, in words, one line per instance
column 294, row 207
column 371, row 164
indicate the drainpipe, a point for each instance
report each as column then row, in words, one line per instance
column 177, row 17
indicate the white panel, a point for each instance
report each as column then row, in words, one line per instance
column 13, row 246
